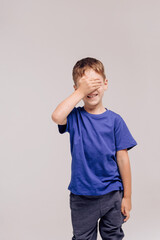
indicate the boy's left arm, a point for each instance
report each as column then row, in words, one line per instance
column 125, row 172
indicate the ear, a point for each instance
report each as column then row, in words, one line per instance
column 106, row 83
column 75, row 87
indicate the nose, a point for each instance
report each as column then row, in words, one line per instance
column 92, row 94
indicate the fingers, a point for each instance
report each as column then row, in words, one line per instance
column 97, row 83
column 127, row 214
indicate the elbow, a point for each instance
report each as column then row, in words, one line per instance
column 54, row 118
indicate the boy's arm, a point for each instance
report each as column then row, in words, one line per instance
column 84, row 87
column 125, row 172
column 61, row 112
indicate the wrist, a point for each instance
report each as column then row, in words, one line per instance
column 80, row 93
column 127, row 196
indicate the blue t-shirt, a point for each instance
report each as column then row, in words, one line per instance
column 94, row 140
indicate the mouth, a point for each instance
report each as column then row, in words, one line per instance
column 92, row 96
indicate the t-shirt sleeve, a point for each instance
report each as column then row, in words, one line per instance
column 123, row 137
column 67, row 127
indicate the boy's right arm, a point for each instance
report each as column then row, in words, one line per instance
column 85, row 86
column 61, row 112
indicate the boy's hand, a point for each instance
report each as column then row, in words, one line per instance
column 126, row 207
column 86, row 86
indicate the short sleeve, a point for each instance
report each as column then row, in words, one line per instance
column 123, row 137
column 66, row 127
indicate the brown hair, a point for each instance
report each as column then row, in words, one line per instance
column 86, row 63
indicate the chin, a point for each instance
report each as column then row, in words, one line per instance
column 91, row 103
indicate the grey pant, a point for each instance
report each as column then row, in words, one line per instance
column 87, row 210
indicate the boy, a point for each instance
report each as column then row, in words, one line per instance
column 100, row 186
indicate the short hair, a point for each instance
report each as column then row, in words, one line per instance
column 86, row 63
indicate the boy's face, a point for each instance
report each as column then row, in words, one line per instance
column 91, row 74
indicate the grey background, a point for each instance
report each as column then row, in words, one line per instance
column 40, row 41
